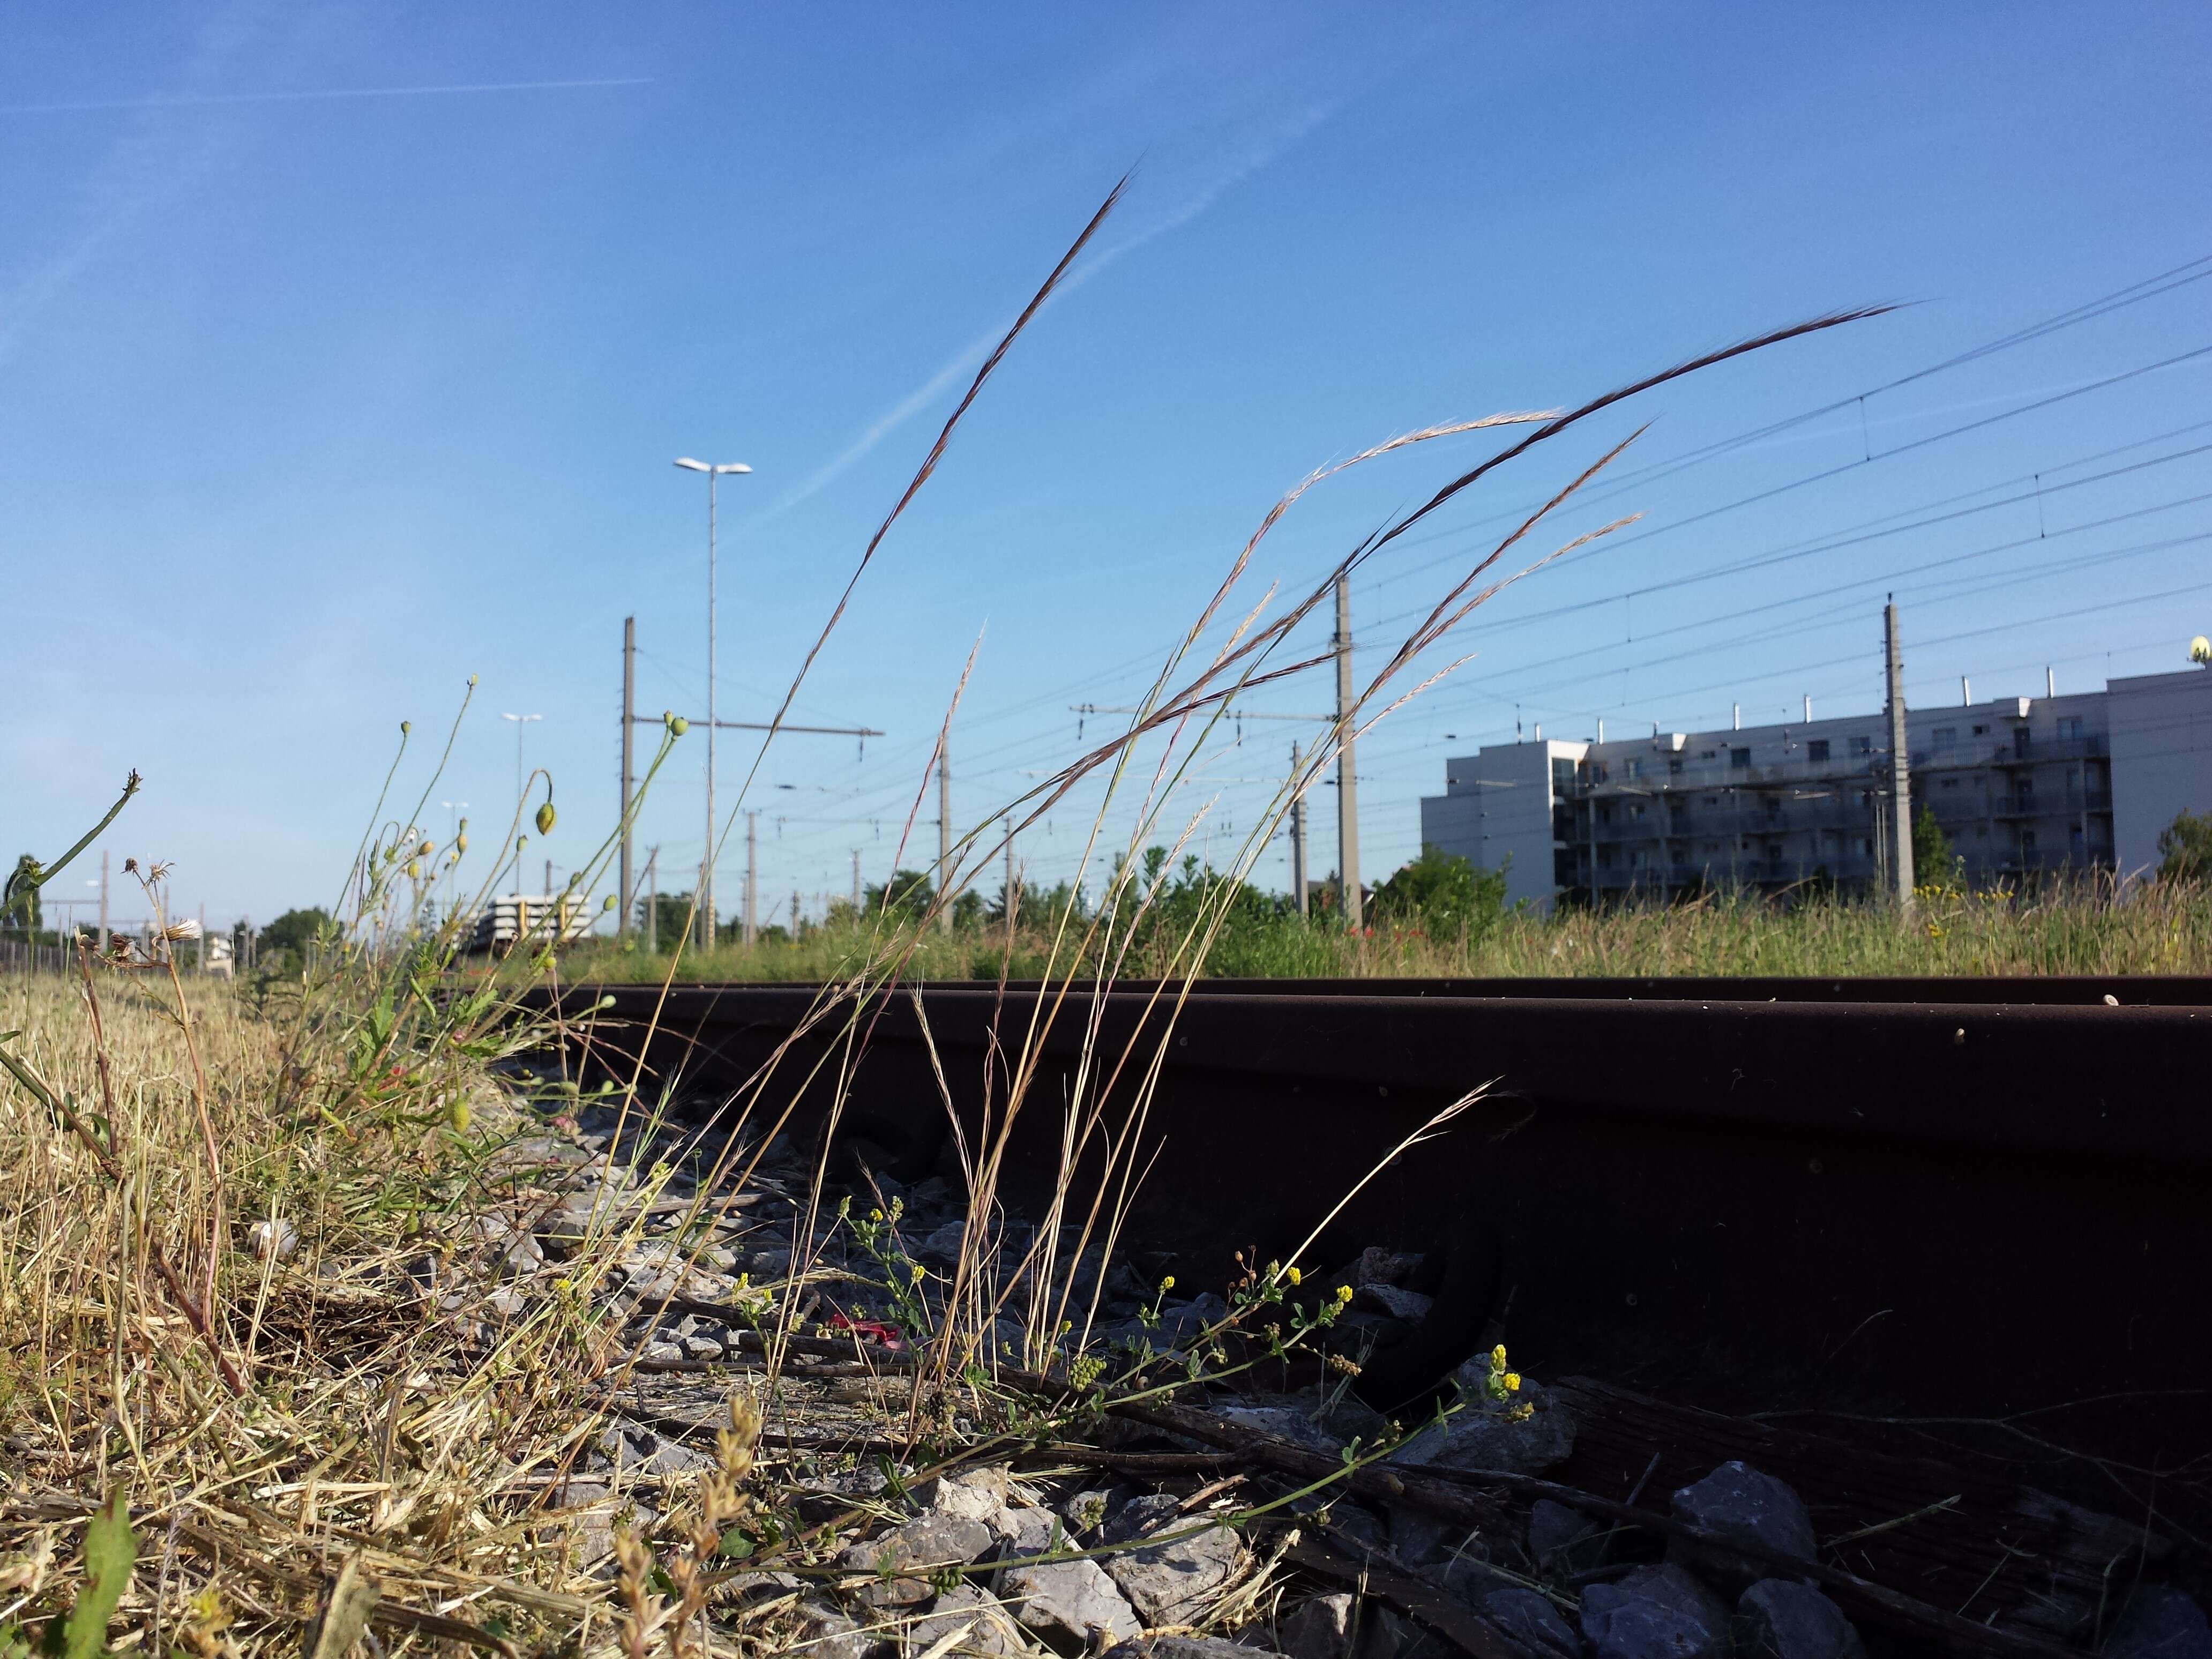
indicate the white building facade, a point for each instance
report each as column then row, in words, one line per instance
column 2023, row 786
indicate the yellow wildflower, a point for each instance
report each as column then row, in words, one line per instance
column 1498, row 1358
column 1343, row 1293
column 1293, row 1275
column 1167, row 1284
column 875, row 1215
column 1513, row 1381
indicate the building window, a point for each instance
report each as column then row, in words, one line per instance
column 2027, row 840
column 1861, row 745
column 1635, row 768
column 1605, row 858
column 1635, row 812
column 1947, row 737
column 1817, row 750
column 1866, row 845
column 2070, row 726
column 1981, row 731
column 1673, row 768
column 1950, row 783
column 1739, row 758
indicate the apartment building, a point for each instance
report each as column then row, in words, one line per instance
column 2023, row 786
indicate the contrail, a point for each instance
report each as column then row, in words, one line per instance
column 189, row 100
column 937, row 384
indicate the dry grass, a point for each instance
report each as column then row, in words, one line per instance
column 249, row 1257
column 2063, row 927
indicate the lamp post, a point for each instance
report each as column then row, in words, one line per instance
column 714, row 476
column 520, row 721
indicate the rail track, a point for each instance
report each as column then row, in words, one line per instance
column 1948, row 1197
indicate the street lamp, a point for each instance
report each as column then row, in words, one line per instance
column 714, row 475
column 520, row 721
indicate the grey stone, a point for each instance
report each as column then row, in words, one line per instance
column 942, row 1247
column 1783, row 1619
column 1409, row 1306
column 1184, row 1322
column 674, row 1457
column 1029, row 1531
column 987, row 1629
column 934, row 1541
column 702, row 1348
column 1561, row 1539
column 2160, row 1622
column 1655, row 1613
column 1737, row 1501
column 662, row 1353
column 1381, row 1634
column 1140, row 1515
column 1531, row 1619
column 830, row 1634
column 1380, row 1266
column 1466, row 1572
column 1087, row 1512
column 1319, row 1629
column 973, row 1494
column 1485, row 1436
column 1416, row 1537
column 1064, row 1601
column 1173, row 1581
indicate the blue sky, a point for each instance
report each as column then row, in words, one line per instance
column 343, row 350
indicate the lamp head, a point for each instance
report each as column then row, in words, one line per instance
column 690, row 466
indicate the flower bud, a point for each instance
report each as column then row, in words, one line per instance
column 546, row 819
column 424, row 850
column 677, row 725
column 414, row 869
column 461, row 843
column 607, row 902
column 405, row 727
column 458, row 1115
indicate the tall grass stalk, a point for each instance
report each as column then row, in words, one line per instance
column 351, row 1120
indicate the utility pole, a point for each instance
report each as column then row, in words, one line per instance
column 628, row 782
column 713, row 725
column 944, row 833
column 1347, row 786
column 653, row 902
column 794, row 915
column 1900, row 778
column 521, row 722
column 856, row 883
column 752, row 872
column 1298, row 836
column 715, row 474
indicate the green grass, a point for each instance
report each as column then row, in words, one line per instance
column 2066, row 928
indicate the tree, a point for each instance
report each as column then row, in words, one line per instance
column 2186, row 848
column 293, row 931
column 1934, row 861
column 665, row 917
column 909, row 892
column 22, row 908
column 1441, row 893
